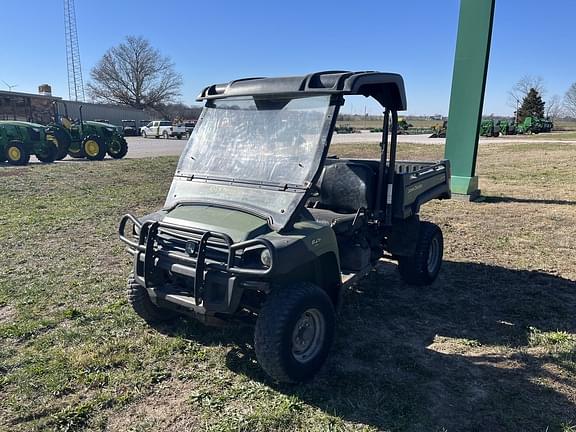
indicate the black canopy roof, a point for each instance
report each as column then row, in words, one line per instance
column 386, row 88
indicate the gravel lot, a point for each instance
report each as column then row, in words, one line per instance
column 150, row 147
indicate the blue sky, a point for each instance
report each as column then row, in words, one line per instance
column 216, row 41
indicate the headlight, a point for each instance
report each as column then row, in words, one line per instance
column 266, row 258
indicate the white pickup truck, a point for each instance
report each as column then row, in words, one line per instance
column 164, row 129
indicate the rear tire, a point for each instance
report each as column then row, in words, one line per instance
column 62, row 141
column 94, row 148
column 294, row 332
column 118, row 148
column 48, row 152
column 140, row 301
column 16, row 153
column 165, row 135
column 423, row 267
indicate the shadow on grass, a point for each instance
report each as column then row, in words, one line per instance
column 506, row 199
column 453, row 356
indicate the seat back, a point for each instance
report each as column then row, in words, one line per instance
column 347, row 186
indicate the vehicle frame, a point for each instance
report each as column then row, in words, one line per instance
column 299, row 260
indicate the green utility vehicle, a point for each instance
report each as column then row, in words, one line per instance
column 130, row 128
column 20, row 140
column 262, row 227
column 87, row 139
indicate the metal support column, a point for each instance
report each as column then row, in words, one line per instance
column 467, row 98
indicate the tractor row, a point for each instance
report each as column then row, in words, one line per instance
column 530, row 125
column 84, row 139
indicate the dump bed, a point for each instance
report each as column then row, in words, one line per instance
column 417, row 182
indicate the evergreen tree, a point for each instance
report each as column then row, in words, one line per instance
column 532, row 106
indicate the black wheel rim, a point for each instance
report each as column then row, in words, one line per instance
column 308, row 335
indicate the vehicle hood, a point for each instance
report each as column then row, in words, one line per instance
column 240, row 226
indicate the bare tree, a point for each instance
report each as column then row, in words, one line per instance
column 554, row 107
column 135, row 74
column 521, row 89
column 570, row 101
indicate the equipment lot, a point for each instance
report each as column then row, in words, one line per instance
column 490, row 346
column 139, row 147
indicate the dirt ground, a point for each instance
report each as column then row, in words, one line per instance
column 490, row 346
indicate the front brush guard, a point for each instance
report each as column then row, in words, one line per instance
column 198, row 264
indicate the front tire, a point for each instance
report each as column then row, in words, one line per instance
column 140, row 301
column 294, row 332
column 423, row 267
column 94, row 148
column 16, row 153
column 118, row 148
column 144, row 134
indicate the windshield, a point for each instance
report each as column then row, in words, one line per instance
column 250, row 144
column 272, row 140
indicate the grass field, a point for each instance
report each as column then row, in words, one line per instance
column 490, row 346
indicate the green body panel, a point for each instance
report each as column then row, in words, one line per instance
column 468, row 86
column 302, row 244
column 238, row 225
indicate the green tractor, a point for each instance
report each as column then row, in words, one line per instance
column 534, row 125
column 439, row 131
column 87, row 139
column 403, row 126
column 489, row 128
column 20, row 140
column 507, row 127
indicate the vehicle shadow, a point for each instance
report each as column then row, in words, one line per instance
column 507, row 199
column 454, row 356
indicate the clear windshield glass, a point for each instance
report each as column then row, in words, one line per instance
column 272, row 141
column 247, row 142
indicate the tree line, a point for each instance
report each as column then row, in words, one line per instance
column 527, row 98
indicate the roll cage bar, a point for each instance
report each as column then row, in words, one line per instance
column 386, row 88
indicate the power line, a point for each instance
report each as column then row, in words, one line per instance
column 75, row 82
